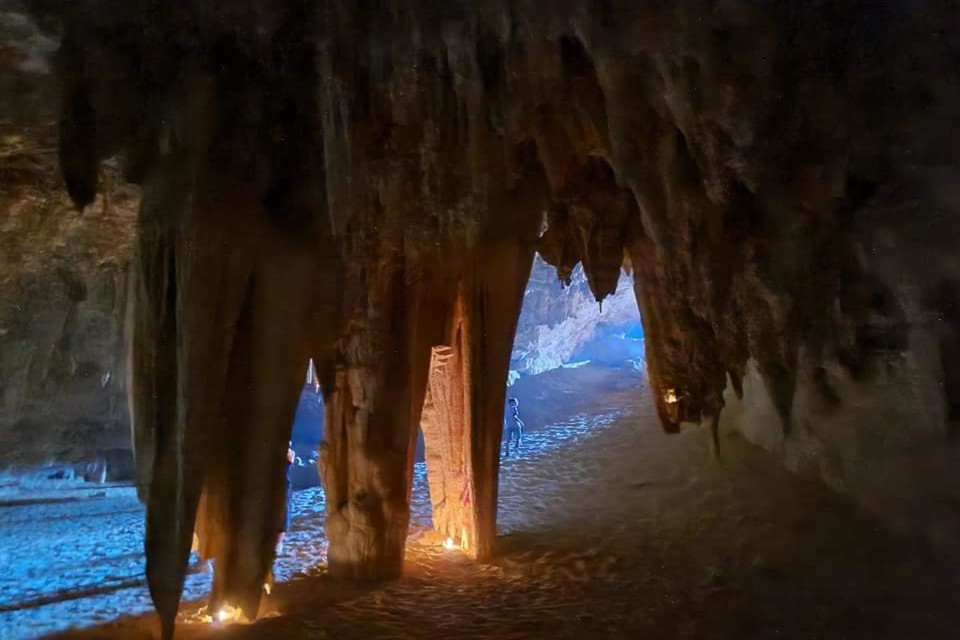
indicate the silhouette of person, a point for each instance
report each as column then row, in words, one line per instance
column 513, row 427
column 288, row 515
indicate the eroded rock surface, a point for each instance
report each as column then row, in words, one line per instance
column 336, row 180
column 564, row 324
column 62, row 274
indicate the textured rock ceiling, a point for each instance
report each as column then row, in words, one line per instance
column 725, row 147
column 778, row 175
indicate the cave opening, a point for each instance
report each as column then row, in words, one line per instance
column 568, row 355
column 307, row 431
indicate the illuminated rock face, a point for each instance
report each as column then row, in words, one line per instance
column 352, row 182
column 562, row 324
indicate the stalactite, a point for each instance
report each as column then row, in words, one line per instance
column 494, row 302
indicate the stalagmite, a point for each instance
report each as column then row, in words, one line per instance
column 447, row 438
column 239, row 303
column 715, row 436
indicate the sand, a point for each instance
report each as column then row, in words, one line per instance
column 609, row 529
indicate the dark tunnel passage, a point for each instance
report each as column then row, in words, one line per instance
column 199, row 198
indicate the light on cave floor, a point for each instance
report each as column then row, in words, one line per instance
column 450, row 545
column 225, row 616
column 228, row 614
column 670, row 396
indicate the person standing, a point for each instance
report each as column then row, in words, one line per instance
column 288, row 507
column 513, row 427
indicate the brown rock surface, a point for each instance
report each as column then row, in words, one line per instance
column 329, row 179
column 62, row 273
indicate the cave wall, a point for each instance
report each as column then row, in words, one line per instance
column 62, row 273
column 778, row 177
column 62, row 367
column 884, row 446
column 878, row 423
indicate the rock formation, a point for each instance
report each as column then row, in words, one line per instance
column 62, row 275
column 365, row 184
column 562, row 324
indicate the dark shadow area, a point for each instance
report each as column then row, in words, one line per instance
column 943, row 303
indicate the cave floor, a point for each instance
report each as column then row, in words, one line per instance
column 611, row 529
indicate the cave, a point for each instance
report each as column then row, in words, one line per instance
column 220, row 221
column 560, row 329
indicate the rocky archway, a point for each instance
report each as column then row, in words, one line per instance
column 400, row 160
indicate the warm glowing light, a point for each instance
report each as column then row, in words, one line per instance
column 200, row 616
column 670, row 396
column 267, row 588
column 449, row 544
column 223, row 616
column 226, row 613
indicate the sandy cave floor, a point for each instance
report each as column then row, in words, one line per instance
column 609, row 529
